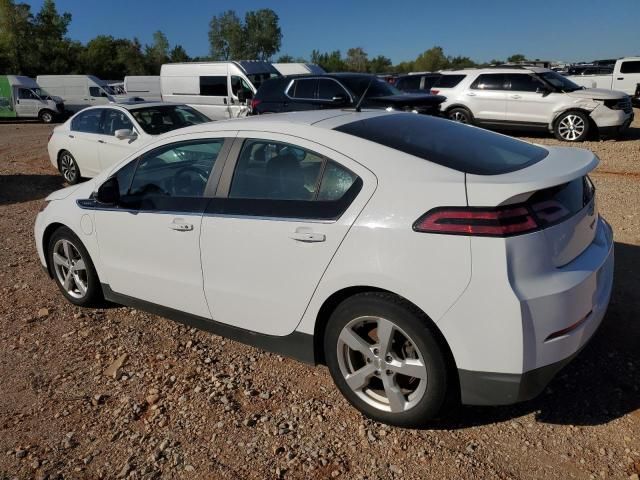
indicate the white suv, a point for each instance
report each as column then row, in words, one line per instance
column 534, row 98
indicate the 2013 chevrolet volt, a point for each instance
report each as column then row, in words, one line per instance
column 414, row 256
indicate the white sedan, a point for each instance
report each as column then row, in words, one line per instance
column 423, row 261
column 99, row 137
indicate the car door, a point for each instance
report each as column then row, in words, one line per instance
column 282, row 208
column 529, row 101
column 150, row 245
column 237, row 85
column 111, row 149
column 300, row 94
column 83, row 136
column 27, row 103
column 486, row 97
column 214, row 96
column 628, row 77
column 331, row 94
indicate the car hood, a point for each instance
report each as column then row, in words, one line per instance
column 597, row 94
column 68, row 191
column 408, row 100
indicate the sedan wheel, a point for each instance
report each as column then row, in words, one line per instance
column 460, row 115
column 69, row 168
column 72, row 268
column 386, row 359
column 381, row 364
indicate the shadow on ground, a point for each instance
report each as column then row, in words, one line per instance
column 17, row 188
column 602, row 383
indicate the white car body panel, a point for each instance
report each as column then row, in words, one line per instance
column 144, row 86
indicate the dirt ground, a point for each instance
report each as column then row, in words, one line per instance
column 187, row 404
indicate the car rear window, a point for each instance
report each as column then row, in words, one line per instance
column 448, row 81
column 453, row 145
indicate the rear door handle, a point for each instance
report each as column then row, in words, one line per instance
column 471, row 94
column 179, row 225
column 71, row 136
column 306, row 235
column 620, row 78
column 101, row 141
column 516, row 96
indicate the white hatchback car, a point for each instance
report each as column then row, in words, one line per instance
column 99, row 137
column 532, row 98
column 418, row 258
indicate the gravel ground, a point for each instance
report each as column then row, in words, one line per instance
column 118, row 393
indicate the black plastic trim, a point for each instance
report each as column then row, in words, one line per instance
column 296, row 345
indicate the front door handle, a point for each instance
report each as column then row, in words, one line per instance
column 516, row 96
column 306, row 235
column 471, row 94
column 620, row 78
column 179, row 225
column 101, row 141
column 71, row 136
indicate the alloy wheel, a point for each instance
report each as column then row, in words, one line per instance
column 571, row 127
column 381, row 364
column 459, row 116
column 46, row 117
column 68, row 168
column 70, row 268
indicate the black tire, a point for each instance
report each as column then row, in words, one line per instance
column 408, row 323
column 460, row 115
column 46, row 116
column 68, row 168
column 92, row 295
column 572, row 126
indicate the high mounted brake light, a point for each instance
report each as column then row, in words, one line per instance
column 485, row 222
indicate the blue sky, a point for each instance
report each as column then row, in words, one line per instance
column 569, row 30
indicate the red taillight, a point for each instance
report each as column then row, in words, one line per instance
column 254, row 103
column 435, row 91
column 487, row 222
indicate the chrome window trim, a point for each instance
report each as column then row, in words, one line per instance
column 316, row 99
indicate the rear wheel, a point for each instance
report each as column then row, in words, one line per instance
column 385, row 360
column 46, row 116
column 572, row 127
column 72, row 268
column 69, row 168
column 460, row 115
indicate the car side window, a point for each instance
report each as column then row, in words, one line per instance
column 336, row 182
column 522, row 82
column 276, row 171
column 632, row 66
column 214, row 86
column 115, row 120
column 489, row 81
column 328, row 89
column 26, row 94
column 167, row 177
column 409, row 83
column 303, row 89
column 237, row 84
column 88, row 121
column 97, row 92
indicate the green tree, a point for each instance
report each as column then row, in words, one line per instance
column 330, row 62
column 157, row 53
column 178, row 54
column 130, row 58
column 404, row 67
column 518, row 57
column 226, row 36
column 285, row 59
column 460, row 62
column 262, row 34
column 431, row 60
column 379, row 64
column 16, row 34
column 357, row 60
column 53, row 52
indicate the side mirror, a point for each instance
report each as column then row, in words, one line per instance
column 109, row 192
column 339, row 99
column 125, row 134
column 543, row 90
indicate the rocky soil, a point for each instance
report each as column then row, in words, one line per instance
column 118, row 393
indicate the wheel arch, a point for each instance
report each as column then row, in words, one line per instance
column 46, row 237
column 584, row 111
column 458, row 105
column 332, row 302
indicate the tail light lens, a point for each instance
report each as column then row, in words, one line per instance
column 485, row 222
column 435, row 91
column 254, row 103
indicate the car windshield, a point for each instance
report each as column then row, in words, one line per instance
column 40, row 92
column 108, row 89
column 378, row 88
column 164, row 118
column 559, row 82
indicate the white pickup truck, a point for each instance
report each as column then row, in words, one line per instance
column 625, row 77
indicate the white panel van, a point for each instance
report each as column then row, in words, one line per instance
column 79, row 91
column 217, row 89
column 22, row 97
column 144, row 86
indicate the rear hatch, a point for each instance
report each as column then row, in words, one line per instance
column 557, row 192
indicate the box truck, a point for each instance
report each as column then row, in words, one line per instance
column 22, row 97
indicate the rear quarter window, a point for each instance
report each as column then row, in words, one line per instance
column 460, row 147
column 630, row 67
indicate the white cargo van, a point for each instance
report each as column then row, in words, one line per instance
column 625, row 77
column 298, row 69
column 22, row 97
column 144, row 86
column 217, row 89
column 79, row 91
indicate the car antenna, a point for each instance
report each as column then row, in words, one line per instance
column 358, row 109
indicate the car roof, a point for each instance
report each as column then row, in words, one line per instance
column 516, row 69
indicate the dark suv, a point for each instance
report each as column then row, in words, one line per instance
column 417, row 82
column 338, row 90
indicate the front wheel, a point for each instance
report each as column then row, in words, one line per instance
column 72, row 268
column 572, row 127
column 385, row 359
column 46, row 116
